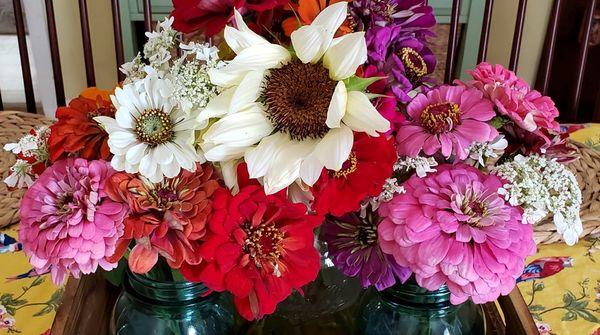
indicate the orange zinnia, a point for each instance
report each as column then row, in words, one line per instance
column 76, row 133
column 307, row 11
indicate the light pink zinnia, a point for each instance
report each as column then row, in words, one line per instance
column 453, row 228
column 449, row 118
column 68, row 224
column 514, row 98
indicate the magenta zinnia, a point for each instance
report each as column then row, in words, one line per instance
column 453, row 228
column 68, row 224
column 449, row 118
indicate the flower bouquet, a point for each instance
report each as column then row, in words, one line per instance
column 226, row 157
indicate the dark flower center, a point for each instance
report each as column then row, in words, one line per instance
column 166, row 194
column 263, row 243
column 414, row 65
column 384, row 9
column 475, row 209
column 348, row 167
column 63, row 203
column 366, row 234
column 441, row 117
column 297, row 97
column 154, row 127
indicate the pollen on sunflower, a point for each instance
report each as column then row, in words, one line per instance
column 297, row 97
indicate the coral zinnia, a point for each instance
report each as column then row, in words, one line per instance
column 452, row 227
column 353, row 244
column 449, row 118
column 76, row 132
column 258, row 247
column 68, row 224
column 166, row 218
column 370, row 163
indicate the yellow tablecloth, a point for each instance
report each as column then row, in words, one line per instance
column 28, row 302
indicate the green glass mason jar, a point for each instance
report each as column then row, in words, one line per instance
column 326, row 306
column 409, row 309
column 149, row 306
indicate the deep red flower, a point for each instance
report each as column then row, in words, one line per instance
column 386, row 104
column 371, row 162
column 258, row 247
column 167, row 218
column 211, row 16
column 76, row 132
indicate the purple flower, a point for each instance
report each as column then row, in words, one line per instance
column 407, row 59
column 354, row 248
column 412, row 15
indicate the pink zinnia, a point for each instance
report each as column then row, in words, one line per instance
column 513, row 97
column 449, row 118
column 68, row 225
column 453, row 228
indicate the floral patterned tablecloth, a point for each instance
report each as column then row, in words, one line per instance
column 28, row 302
column 561, row 288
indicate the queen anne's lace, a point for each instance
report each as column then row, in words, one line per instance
column 421, row 165
column 157, row 49
column 542, row 186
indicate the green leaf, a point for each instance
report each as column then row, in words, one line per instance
column 37, row 281
column 569, row 316
column 588, row 316
column 46, row 310
column 536, row 308
column 568, row 298
column 538, row 287
column 10, row 310
column 536, row 317
column 499, row 121
column 580, row 304
column 355, row 83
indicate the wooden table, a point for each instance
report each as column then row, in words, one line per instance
column 87, row 306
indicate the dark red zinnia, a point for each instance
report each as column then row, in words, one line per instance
column 258, row 247
column 371, row 162
column 76, row 132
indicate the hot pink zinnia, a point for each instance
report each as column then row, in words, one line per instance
column 514, row 98
column 449, row 118
column 453, row 228
column 67, row 222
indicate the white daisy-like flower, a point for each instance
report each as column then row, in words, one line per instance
column 20, row 175
column 150, row 134
column 289, row 115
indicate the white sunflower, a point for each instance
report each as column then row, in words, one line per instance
column 150, row 134
column 290, row 114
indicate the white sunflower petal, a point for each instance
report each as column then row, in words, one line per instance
column 309, row 43
column 334, row 148
column 362, row 116
column 240, row 129
column 217, row 106
column 337, row 106
column 242, row 37
column 229, row 172
column 345, row 55
column 259, row 57
column 311, row 169
column 220, row 153
column 286, row 167
column 226, row 77
column 332, row 17
column 247, row 92
column 261, row 157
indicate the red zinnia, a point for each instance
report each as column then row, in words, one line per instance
column 167, row 218
column 258, row 247
column 76, row 132
column 371, row 162
column 210, row 16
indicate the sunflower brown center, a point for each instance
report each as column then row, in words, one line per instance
column 414, row 65
column 441, row 117
column 348, row 167
column 297, row 97
column 263, row 243
column 154, row 127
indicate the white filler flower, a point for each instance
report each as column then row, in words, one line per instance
column 150, row 133
column 289, row 115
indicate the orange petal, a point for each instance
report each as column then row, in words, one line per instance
column 309, row 9
column 289, row 25
column 142, row 259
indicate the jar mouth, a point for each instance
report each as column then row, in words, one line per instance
column 165, row 292
column 410, row 293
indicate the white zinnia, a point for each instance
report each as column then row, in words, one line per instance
column 250, row 128
column 150, row 134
